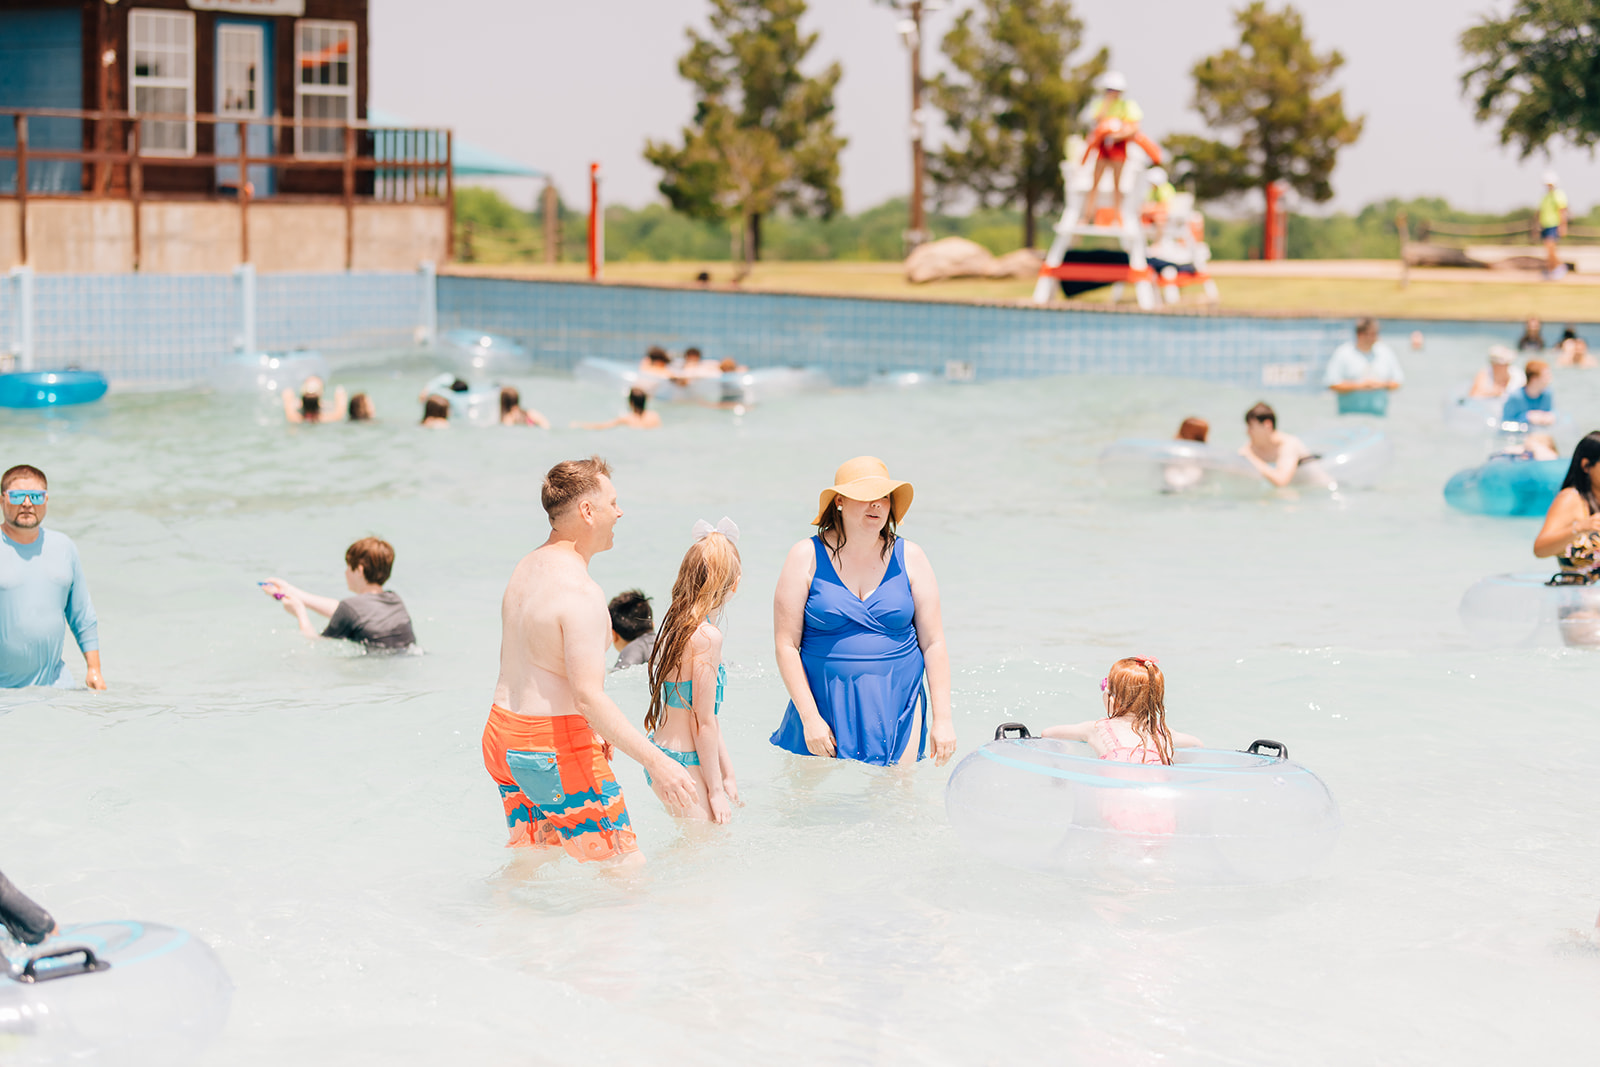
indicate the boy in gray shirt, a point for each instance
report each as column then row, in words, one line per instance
column 373, row 616
column 633, row 630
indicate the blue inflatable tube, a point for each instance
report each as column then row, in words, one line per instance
column 112, row 992
column 1506, row 486
column 1213, row 817
column 48, row 389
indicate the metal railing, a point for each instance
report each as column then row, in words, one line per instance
column 410, row 165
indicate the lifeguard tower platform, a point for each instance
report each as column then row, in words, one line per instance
column 1161, row 246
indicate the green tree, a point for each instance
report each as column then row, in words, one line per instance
column 1010, row 101
column 1269, row 90
column 762, row 135
column 1538, row 72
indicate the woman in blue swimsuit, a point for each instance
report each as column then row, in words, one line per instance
column 857, row 625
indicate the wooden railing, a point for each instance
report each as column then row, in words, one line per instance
column 407, row 165
column 1463, row 234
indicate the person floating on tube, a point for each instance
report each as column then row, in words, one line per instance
column 1116, row 123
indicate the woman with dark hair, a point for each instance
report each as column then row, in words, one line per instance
column 856, row 622
column 512, row 413
column 306, row 406
column 636, row 417
column 435, row 412
column 1574, row 516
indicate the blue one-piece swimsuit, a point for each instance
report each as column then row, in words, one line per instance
column 863, row 664
column 681, row 695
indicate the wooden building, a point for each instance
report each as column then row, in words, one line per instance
column 167, row 100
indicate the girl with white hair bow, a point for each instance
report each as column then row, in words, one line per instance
column 687, row 676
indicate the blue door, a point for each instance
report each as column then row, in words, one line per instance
column 244, row 91
column 41, row 65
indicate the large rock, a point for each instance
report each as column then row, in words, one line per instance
column 1023, row 263
column 949, row 257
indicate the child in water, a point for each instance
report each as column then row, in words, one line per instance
column 686, row 672
column 1135, row 727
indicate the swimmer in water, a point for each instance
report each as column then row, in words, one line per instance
column 1500, row 377
column 1134, row 729
column 372, row 616
column 512, row 413
column 307, row 407
column 636, row 417
column 656, row 363
column 1177, row 477
column 687, row 675
column 361, row 409
column 732, row 396
column 1536, row 446
column 435, row 412
column 1276, row 456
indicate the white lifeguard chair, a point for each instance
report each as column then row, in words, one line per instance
column 1177, row 236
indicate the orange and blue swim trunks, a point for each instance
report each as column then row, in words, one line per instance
column 555, row 783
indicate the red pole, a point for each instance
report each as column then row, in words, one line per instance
column 1274, row 235
column 597, row 226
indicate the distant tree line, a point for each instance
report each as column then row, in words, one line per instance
column 490, row 230
column 756, row 168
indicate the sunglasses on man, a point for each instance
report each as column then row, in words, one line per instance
column 26, row 496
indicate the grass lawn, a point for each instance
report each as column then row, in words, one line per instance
column 1431, row 294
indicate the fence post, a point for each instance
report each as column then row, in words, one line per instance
column 429, row 330
column 23, row 276
column 246, row 274
column 21, row 124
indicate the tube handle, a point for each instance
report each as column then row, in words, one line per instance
column 1016, row 729
column 87, row 965
column 1258, row 748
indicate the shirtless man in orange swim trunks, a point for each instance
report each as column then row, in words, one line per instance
column 550, row 731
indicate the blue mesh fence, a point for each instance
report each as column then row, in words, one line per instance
column 852, row 339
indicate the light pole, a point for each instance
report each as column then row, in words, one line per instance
column 910, row 27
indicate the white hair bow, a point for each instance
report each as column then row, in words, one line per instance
column 725, row 526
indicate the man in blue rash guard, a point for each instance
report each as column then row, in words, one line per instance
column 41, row 584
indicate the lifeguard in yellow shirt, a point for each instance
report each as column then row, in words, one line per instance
column 1116, row 123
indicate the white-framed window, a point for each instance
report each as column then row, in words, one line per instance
column 161, row 79
column 325, row 83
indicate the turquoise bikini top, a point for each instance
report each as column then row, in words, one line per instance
column 681, row 694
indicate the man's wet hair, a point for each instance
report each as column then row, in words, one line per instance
column 630, row 614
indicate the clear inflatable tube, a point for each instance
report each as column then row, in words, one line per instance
column 1349, row 457
column 482, row 351
column 112, row 992
column 1526, row 610
column 743, row 387
column 1507, row 486
column 269, row 372
column 1466, row 414
column 1213, row 817
column 54, row 388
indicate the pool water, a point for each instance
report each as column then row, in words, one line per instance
column 323, row 818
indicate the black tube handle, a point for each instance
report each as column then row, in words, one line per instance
column 1020, row 730
column 87, row 965
column 1258, row 748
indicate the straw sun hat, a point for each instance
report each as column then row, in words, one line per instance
column 866, row 478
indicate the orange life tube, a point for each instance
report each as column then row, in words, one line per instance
column 1118, row 149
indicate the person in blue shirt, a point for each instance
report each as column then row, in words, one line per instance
column 1364, row 373
column 42, row 591
column 1532, row 403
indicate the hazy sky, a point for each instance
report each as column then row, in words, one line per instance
column 558, row 84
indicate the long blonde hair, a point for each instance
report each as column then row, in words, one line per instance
column 1140, row 692
column 706, row 578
